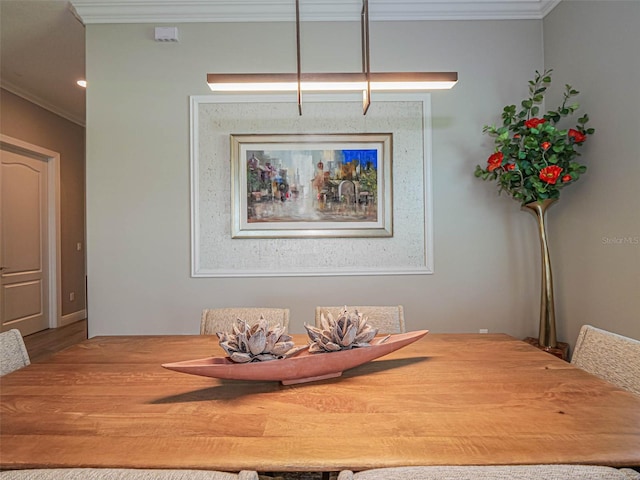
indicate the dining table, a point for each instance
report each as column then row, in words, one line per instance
column 446, row 399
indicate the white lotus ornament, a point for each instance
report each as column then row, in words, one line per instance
column 349, row 330
column 255, row 343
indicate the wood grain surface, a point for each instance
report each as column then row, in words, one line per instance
column 458, row 399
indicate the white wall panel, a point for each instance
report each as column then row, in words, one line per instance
column 407, row 251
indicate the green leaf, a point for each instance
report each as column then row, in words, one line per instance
column 523, row 183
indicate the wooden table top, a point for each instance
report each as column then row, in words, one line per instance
column 447, row 399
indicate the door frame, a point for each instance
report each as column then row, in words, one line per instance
column 52, row 161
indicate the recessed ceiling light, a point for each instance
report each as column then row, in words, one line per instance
column 82, row 83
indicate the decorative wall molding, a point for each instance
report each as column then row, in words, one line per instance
column 215, row 253
column 185, row 11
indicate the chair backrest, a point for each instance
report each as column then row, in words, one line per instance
column 13, row 353
column 489, row 472
column 216, row 320
column 387, row 319
column 123, row 474
column 610, row 356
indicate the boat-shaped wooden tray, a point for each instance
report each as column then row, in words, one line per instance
column 299, row 368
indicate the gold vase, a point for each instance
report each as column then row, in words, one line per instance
column 547, row 333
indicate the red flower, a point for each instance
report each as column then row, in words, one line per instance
column 550, row 174
column 517, row 135
column 495, row 161
column 510, row 166
column 534, row 122
column 578, row 137
column 545, row 145
column 566, row 178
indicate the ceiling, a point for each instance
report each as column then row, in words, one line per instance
column 42, row 55
column 42, row 41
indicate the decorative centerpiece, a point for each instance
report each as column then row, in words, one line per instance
column 533, row 161
column 349, row 330
column 251, row 349
column 255, row 343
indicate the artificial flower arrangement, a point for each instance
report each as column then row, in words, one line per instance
column 533, row 158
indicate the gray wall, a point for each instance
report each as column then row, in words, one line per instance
column 596, row 226
column 486, row 250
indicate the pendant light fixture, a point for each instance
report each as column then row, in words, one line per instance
column 366, row 81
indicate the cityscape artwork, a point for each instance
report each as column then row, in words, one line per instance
column 311, row 185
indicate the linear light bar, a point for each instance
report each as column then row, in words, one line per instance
column 331, row 82
column 365, row 82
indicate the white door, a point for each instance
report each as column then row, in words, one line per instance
column 24, row 289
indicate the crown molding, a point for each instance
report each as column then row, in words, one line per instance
column 187, row 11
column 40, row 102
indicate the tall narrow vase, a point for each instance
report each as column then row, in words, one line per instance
column 547, row 332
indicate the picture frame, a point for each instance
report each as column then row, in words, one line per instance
column 311, row 185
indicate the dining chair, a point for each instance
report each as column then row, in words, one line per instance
column 216, row 320
column 13, row 352
column 387, row 319
column 123, row 474
column 610, row 356
column 503, row 472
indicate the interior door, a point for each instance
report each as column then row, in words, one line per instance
column 23, row 243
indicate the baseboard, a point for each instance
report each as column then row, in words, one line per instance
column 72, row 317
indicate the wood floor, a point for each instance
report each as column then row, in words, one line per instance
column 42, row 345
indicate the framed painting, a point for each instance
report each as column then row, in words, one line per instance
column 297, row 186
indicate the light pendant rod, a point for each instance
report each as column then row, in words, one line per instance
column 366, row 66
column 298, row 57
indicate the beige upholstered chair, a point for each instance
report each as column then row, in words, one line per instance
column 123, row 474
column 609, row 356
column 216, row 320
column 516, row 472
column 13, row 353
column 387, row 319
